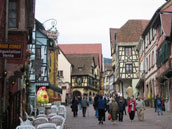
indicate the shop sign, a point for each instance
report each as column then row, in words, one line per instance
column 11, row 50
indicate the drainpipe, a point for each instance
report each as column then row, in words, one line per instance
column 3, row 120
column 5, row 60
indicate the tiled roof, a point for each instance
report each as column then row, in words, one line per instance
column 83, row 49
column 131, row 31
column 166, row 21
column 81, row 61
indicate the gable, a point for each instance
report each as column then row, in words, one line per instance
column 167, row 7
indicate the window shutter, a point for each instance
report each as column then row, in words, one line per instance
column 163, row 53
column 167, row 46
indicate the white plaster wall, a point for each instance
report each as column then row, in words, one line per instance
column 65, row 66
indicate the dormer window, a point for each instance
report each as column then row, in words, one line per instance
column 80, row 69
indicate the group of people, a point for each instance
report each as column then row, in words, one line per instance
column 83, row 103
column 115, row 106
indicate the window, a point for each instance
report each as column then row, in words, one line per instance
column 152, row 58
column 38, row 52
column 149, row 62
column 151, row 35
column 154, row 32
column 129, row 68
column 12, row 14
column 60, row 73
column 146, row 41
column 128, row 51
column 80, row 69
column 79, row 80
column 148, row 38
column 146, row 64
column 159, row 30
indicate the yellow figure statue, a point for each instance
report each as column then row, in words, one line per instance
column 42, row 96
column 129, row 91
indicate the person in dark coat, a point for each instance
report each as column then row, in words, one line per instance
column 113, row 109
column 101, row 109
column 121, row 105
column 74, row 106
column 95, row 105
column 158, row 105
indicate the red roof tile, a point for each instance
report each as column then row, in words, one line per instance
column 131, row 31
column 83, row 49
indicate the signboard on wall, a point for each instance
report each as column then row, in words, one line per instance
column 52, row 34
column 11, row 50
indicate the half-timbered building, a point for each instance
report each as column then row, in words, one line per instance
column 126, row 64
column 87, row 49
column 84, row 79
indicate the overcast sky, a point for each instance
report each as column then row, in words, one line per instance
column 88, row 21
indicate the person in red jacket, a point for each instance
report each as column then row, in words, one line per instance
column 131, row 108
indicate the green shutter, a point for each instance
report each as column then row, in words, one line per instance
column 163, row 52
column 167, row 46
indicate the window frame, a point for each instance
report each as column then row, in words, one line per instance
column 79, row 80
column 128, row 51
column 129, row 69
column 16, row 12
column 153, row 58
column 60, row 73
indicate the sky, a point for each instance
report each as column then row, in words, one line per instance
column 88, row 21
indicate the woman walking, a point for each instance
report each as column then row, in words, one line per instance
column 74, row 106
column 131, row 108
column 113, row 109
column 101, row 109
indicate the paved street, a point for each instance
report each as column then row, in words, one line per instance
column 152, row 121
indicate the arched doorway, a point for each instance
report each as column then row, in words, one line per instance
column 76, row 93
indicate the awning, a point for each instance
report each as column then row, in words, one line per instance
column 55, row 88
column 140, row 83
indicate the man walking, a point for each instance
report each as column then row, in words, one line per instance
column 84, row 104
column 158, row 105
column 140, row 106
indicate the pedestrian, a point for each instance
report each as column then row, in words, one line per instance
column 74, row 106
column 140, row 106
column 163, row 103
column 131, row 108
column 79, row 102
column 90, row 100
column 84, row 105
column 121, row 105
column 125, row 101
column 95, row 105
column 101, row 109
column 113, row 109
column 158, row 105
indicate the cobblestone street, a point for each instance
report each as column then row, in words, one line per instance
column 152, row 121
